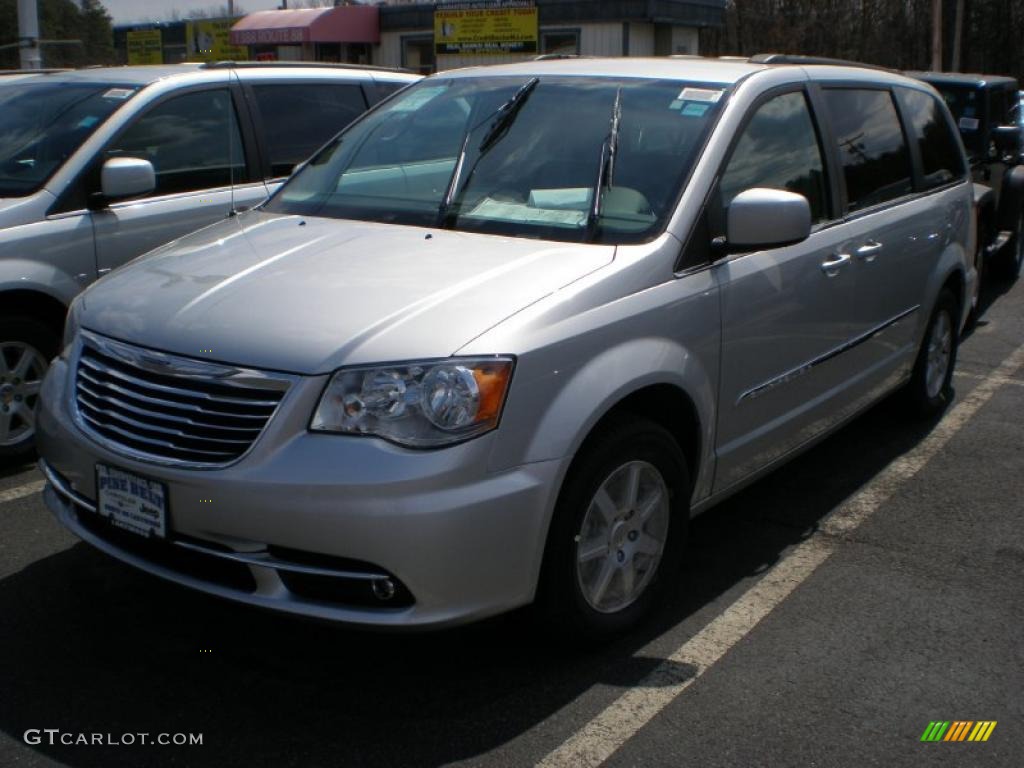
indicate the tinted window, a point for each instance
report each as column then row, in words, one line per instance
column 941, row 160
column 188, row 139
column 298, row 119
column 779, row 149
column 876, row 163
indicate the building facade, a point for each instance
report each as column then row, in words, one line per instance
column 430, row 37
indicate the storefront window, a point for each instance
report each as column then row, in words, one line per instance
column 560, row 42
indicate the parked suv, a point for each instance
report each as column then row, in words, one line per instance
column 986, row 110
column 98, row 166
column 473, row 354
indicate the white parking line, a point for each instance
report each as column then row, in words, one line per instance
column 982, row 377
column 609, row 730
column 21, row 491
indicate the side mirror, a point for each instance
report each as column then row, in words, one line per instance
column 1007, row 139
column 760, row 218
column 123, row 177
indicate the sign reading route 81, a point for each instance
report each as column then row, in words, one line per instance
column 480, row 28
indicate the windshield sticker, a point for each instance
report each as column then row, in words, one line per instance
column 417, row 99
column 677, row 104
column 706, row 95
column 695, row 110
column 88, row 121
column 118, row 93
column 968, row 123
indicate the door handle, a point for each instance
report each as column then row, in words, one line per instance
column 869, row 250
column 835, row 263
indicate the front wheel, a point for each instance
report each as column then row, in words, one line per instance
column 26, row 346
column 618, row 533
column 930, row 387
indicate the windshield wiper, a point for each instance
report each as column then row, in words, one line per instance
column 606, row 170
column 505, row 116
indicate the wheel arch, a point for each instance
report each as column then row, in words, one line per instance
column 34, row 303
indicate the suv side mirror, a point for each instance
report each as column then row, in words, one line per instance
column 762, row 218
column 123, row 177
column 1007, row 139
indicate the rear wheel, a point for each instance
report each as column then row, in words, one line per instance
column 930, row 387
column 26, row 346
column 1008, row 262
column 985, row 236
column 618, row 533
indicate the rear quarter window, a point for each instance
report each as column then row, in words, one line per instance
column 939, row 145
column 872, row 148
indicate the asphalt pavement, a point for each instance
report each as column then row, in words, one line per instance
column 826, row 616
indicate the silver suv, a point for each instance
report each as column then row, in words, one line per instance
column 98, row 166
column 500, row 339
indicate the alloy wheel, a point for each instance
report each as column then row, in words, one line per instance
column 22, row 368
column 940, row 348
column 622, row 537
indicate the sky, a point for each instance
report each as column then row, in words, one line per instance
column 125, row 11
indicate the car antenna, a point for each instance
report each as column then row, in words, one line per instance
column 231, row 147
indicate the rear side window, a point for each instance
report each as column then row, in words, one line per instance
column 779, row 149
column 873, row 151
column 941, row 159
column 299, row 118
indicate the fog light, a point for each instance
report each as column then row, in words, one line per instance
column 383, row 589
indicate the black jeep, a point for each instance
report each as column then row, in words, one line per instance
column 985, row 108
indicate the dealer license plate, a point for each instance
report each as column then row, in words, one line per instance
column 133, row 503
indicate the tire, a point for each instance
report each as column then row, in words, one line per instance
column 26, row 347
column 568, row 593
column 1007, row 264
column 930, row 388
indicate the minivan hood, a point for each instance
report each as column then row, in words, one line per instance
column 308, row 295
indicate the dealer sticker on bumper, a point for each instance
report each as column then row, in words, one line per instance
column 131, row 502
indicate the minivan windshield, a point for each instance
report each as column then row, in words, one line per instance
column 43, row 122
column 570, row 158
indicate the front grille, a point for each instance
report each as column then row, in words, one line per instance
column 171, row 409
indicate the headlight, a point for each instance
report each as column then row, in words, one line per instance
column 422, row 404
column 71, row 325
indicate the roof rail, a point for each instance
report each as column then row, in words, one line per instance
column 301, row 65
column 792, row 58
column 33, row 71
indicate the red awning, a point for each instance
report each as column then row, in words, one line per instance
column 344, row 24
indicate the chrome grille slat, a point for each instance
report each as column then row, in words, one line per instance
column 109, row 371
column 157, row 443
column 129, row 422
column 121, row 404
column 169, row 409
column 165, row 403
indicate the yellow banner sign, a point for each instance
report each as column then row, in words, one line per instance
column 477, row 28
column 144, row 46
column 210, row 40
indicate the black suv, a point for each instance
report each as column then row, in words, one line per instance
column 985, row 109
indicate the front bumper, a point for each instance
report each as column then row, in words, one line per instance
column 308, row 523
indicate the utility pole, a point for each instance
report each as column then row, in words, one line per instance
column 958, row 35
column 936, row 36
column 28, row 35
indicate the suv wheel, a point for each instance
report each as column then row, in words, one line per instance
column 1009, row 261
column 985, row 236
column 26, row 346
column 930, row 387
column 618, row 533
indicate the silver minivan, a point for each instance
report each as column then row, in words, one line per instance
column 98, row 166
column 503, row 336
